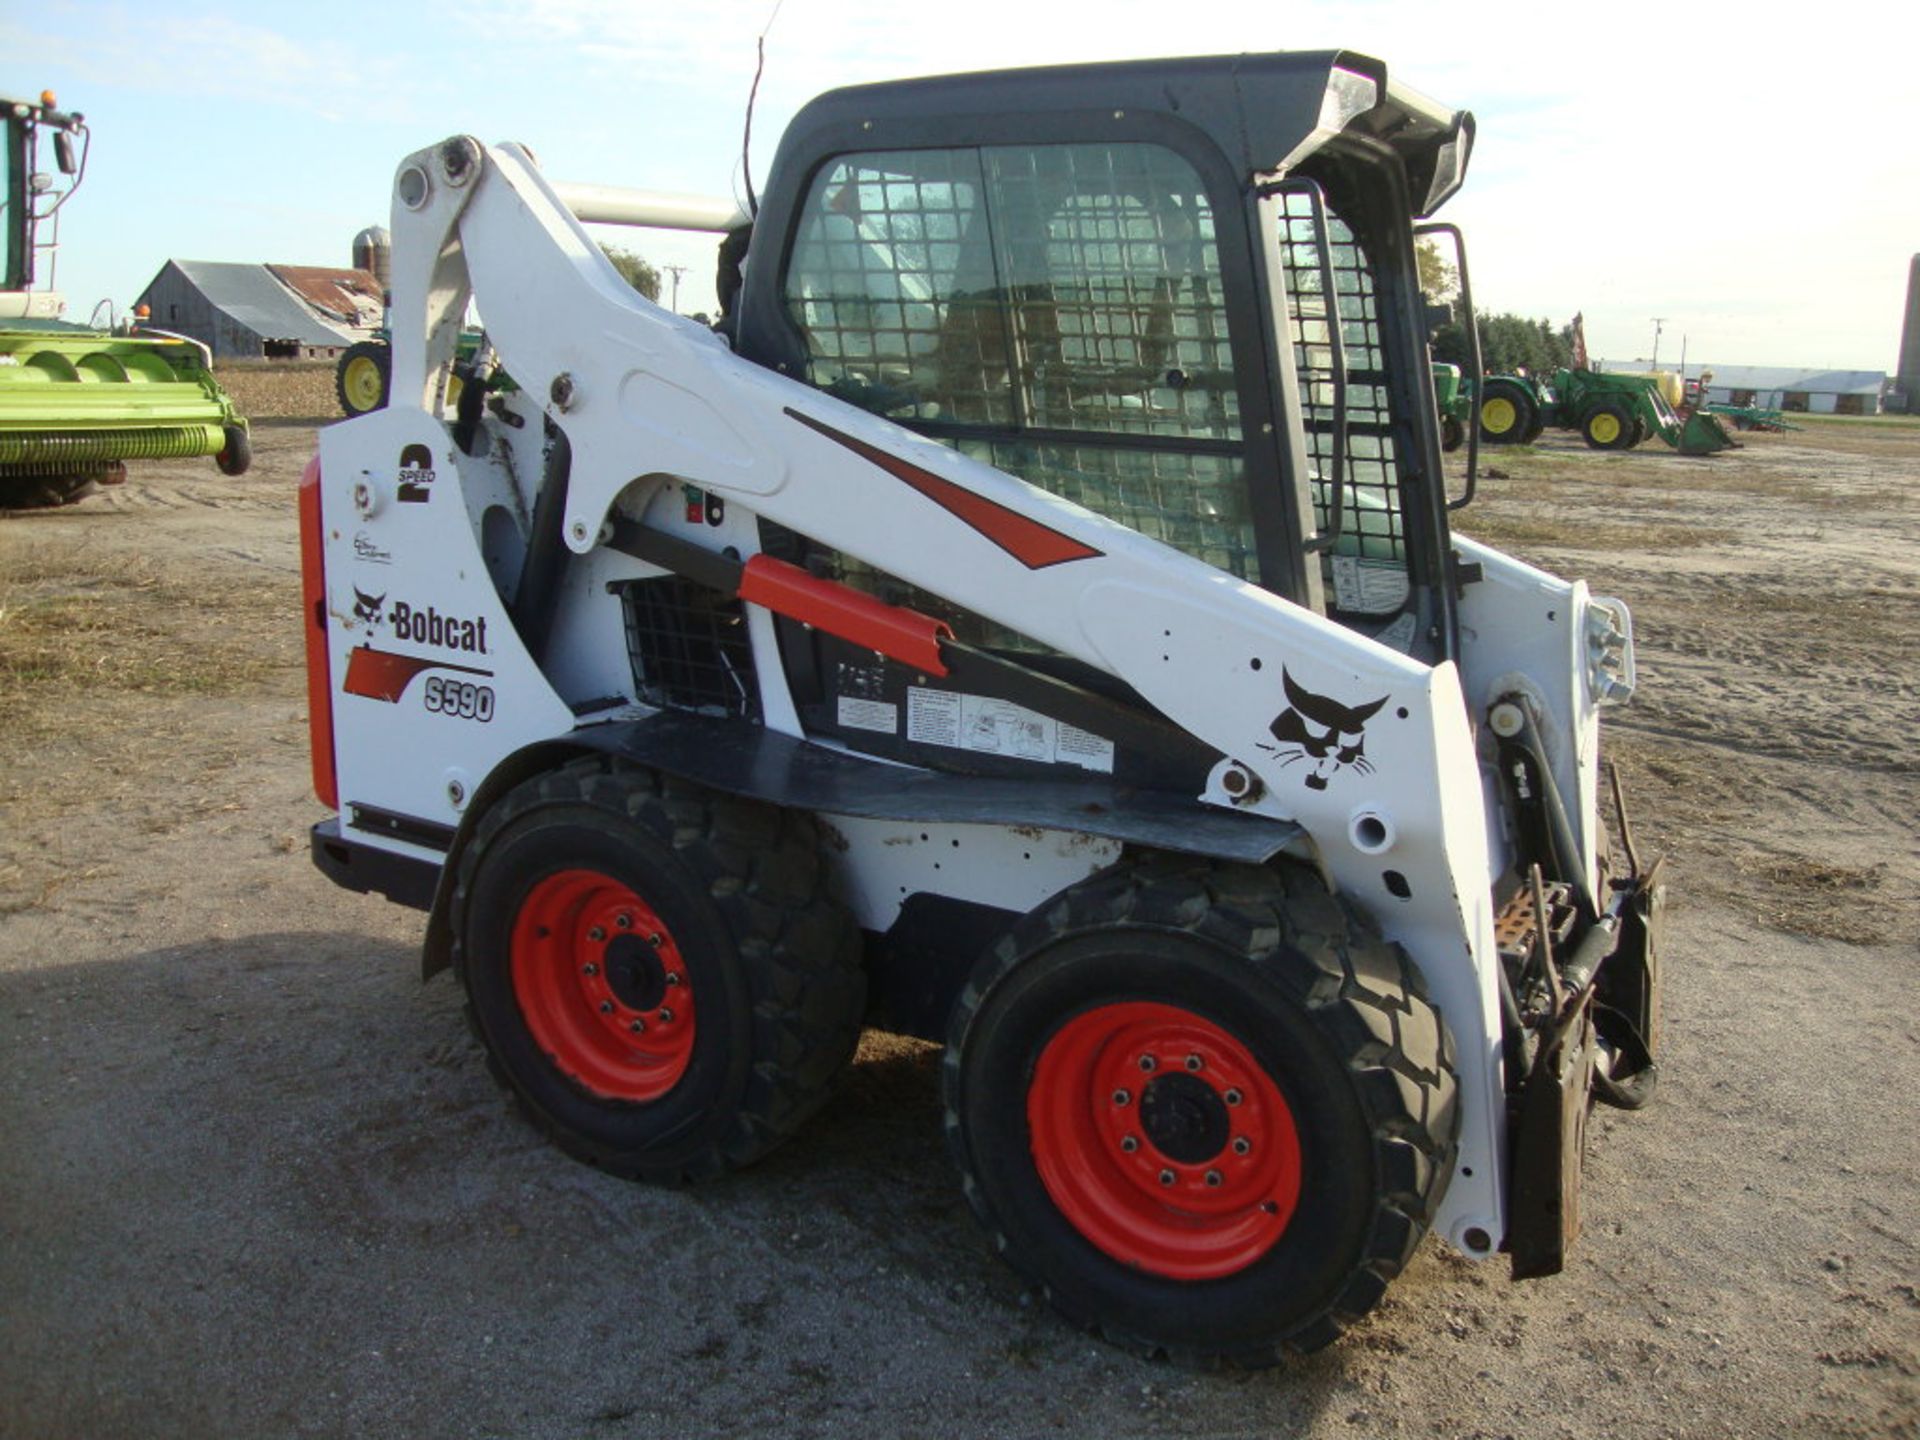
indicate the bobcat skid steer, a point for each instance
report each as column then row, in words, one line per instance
column 1028, row 620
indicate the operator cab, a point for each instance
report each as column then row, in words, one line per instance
column 1127, row 304
column 29, row 197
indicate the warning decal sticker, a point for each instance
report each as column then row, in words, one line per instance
column 858, row 714
column 1368, row 586
column 1000, row 727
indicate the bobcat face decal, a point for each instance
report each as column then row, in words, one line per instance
column 1321, row 732
column 366, row 608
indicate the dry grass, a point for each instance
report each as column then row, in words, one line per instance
column 1508, row 531
column 111, row 680
column 298, row 389
column 1688, row 799
column 1813, row 897
column 1836, row 467
column 73, row 629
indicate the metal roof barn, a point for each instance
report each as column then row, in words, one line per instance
column 260, row 311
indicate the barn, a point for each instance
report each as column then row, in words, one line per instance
column 275, row 312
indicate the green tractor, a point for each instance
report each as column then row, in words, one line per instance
column 364, row 374
column 1454, row 400
column 1611, row 411
column 77, row 403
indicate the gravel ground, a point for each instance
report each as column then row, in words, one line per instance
column 256, row 1180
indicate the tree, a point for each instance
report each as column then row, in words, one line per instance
column 1438, row 279
column 635, row 271
column 1508, row 344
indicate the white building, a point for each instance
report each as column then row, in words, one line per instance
column 1781, row 387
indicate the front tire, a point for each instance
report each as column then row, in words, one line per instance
column 1452, row 433
column 1608, row 426
column 656, row 971
column 1204, row 1108
column 236, row 454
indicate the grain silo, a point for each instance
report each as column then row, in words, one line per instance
column 373, row 250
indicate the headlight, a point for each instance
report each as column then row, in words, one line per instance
column 1610, row 673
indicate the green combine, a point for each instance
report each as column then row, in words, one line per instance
column 77, row 403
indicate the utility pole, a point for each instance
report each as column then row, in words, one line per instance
column 676, row 271
column 1658, row 322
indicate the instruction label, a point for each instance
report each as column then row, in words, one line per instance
column 1000, row 727
column 877, row 715
column 1368, row 587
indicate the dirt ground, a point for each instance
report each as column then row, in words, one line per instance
column 255, row 1180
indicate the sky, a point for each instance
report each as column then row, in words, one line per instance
column 1746, row 177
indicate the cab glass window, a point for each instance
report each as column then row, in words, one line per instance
column 1055, row 310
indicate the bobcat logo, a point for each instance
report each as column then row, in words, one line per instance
column 1320, row 729
column 367, row 608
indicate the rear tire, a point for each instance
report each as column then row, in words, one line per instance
column 1507, row 413
column 1254, row 1188
column 363, row 377
column 1452, row 434
column 1608, row 426
column 656, row 971
column 45, row 492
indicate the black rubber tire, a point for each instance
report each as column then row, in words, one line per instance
column 236, row 458
column 1616, row 422
column 379, row 354
column 1639, row 432
column 1526, row 414
column 1453, row 434
column 1335, row 1015
column 45, row 492
column 773, row 962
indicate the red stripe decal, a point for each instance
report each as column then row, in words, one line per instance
column 1034, row 545
column 382, row 675
column 895, row 631
column 313, row 594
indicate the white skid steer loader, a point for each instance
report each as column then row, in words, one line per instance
column 1028, row 619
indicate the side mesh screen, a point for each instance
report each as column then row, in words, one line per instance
column 1366, row 571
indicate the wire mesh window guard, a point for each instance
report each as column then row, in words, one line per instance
column 1010, row 289
column 1366, row 569
column 689, row 648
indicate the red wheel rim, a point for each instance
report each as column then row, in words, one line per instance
column 1163, row 1141
column 602, row 986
